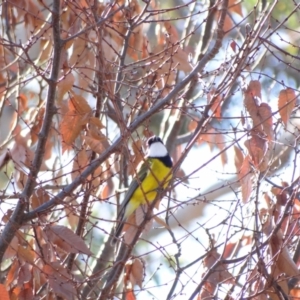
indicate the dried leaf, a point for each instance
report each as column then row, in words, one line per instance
column 286, row 104
column 265, row 114
column 3, row 292
column 80, row 161
column 136, row 158
column 27, row 254
column 60, row 280
column 75, row 116
column 39, row 197
column 181, row 57
column 245, row 178
column 257, row 148
column 215, row 101
column 35, row 129
column 284, row 260
column 96, row 144
column 12, row 248
column 238, row 158
column 66, row 239
column 235, row 6
column 218, row 276
column 134, row 272
column 13, row 272
column 24, row 274
column 65, row 85
column 96, row 122
column 161, row 222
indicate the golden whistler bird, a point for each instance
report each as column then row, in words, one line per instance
column 154, row 173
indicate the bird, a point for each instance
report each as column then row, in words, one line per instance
column 154, row 173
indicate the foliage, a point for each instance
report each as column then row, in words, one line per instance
column 83, row 84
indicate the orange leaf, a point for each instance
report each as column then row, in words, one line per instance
column 74, row 117
column 238, row 158
column 96, row 122
column 3, row 292
column 12, row 248
column 265, row 113
column 235, row 7
column 218, row 276
column 27, row 254
column 215, row 101
column 96, row 144
column 130, row 295
column 134, row 272
column 66, row 239
column 13, row 272
column 60, row 280
column 80, row 104
column 35, row 129
column 286, row 104
column 257, row 148
column 245, row 178
column 65, row 85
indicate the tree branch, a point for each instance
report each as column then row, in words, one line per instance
column 17, row 218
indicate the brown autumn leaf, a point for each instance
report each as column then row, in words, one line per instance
column 257, row 148
column 279, row 250
column 252, row 99
column 71, row 213
column 96, row 143
column 66, row 239
column 27, row 254
column 286, row 104
column 218, row 275
column 3, row 292
column 245, row 178
column 26, row 292
column 215, row 101
column 134, row 272
column 75, row 115
column 39, row 197
column 95, row 121
column 180, row 56
column 136, row 158
column 79, row 46
column 35, row 129
column 281, row 195
column 80, row 104
column 214, row 139
column 80, row 161
column 11, row 249
column 238, row 158
column 60, row 280
column 12, row 273
column 295, row 293
column 24, row 274
column 65, row 84
column 265, row 114
column 283, row 259
column 161, row 222
column 234, row 6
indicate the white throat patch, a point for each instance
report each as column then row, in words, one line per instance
column 157, row 149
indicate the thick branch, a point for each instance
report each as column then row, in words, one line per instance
column 17, row 217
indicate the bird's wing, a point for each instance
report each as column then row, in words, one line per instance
column 136, row 181
column 142, row 173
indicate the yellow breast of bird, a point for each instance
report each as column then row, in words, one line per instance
column 157, row 174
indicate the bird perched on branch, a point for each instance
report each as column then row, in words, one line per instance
column 154, row 174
